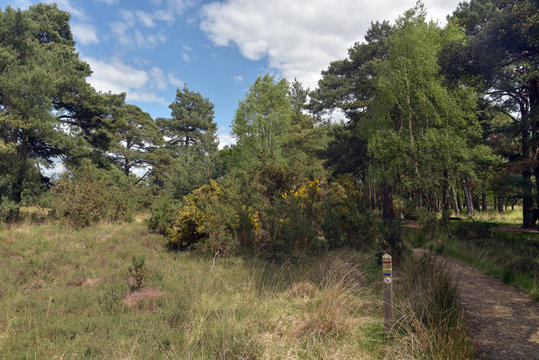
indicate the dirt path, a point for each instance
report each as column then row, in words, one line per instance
column 503, row 323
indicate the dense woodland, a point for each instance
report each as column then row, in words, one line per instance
column 435, row 119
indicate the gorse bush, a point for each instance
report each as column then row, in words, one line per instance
column 91, row 195
column 203, row 221
column 277, row 215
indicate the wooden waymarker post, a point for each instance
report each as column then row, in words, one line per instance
column 388, row 291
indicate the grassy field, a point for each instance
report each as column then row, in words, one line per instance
column 66, row 294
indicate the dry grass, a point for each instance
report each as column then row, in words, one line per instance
column 430, row 323
column 64, row 294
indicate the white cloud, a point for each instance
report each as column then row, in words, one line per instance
column 174, row 80
column 117, row 77
column 300, row 38
column 67, row 6
column 62, row 4
column 158, row 78
column 225, row 139
column 145, row 18
column 129, row 36
column 164, row 15
column 186, row 57
column 128, row 31
column 85, row 34
column 238, row 78
column 120, row 31
column 108, row 2
column 145, row 96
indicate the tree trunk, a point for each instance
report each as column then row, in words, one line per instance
column 475, row 200
column 445, row 198
column 468, row 196
column 387, row 203
column 459, row 203
column 484, row 201
column 527, row 199
column 373, row 198
column 533, row 115
column 500, row 203
column 457, row 207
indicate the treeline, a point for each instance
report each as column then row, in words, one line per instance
column 433, row 118
column 51, row 117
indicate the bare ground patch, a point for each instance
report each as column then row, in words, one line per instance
column 143, row 298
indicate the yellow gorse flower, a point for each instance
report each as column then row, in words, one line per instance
column 255, row 222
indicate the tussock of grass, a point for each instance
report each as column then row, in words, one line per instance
column 430, row 322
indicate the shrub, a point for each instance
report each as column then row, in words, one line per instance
column 163, row 212
column 93, row 195
column 345, row 222
column 137, row 271
column 430, row 226
column 203, row 222
column 34, row 213
column 8, row 210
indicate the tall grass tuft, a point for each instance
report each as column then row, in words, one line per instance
column 430, row 321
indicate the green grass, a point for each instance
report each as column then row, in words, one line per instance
column 63, row 295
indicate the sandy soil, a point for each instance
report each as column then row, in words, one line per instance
column 503, row 323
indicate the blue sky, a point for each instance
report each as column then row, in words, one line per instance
column 150, row 48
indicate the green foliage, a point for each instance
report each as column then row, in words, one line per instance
column 202, row 221
column 191, row 122
column 189, row 158
column 138, row 272
column 47, row 109
column 8, row 210
column 163, row 212
column 136, row 135
column 94, row 195
column 262, row 120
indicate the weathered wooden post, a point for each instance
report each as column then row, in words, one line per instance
column 388, row 291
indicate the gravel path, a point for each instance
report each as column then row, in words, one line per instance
column 503, row 323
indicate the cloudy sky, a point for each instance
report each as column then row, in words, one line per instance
column 149, row 48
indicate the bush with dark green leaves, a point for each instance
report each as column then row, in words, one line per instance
column 90, row 195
